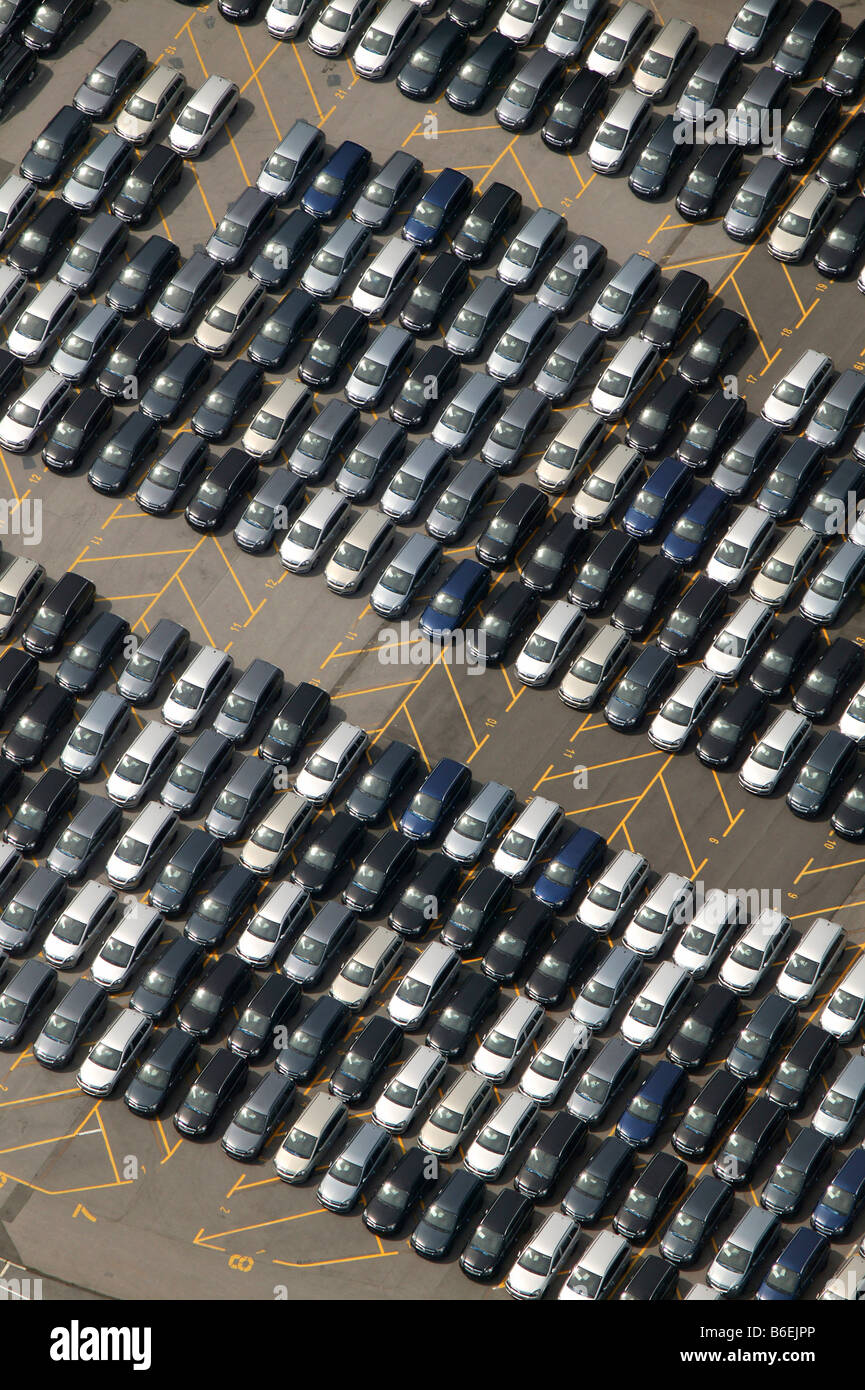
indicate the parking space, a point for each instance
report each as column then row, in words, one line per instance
column 97, row 1200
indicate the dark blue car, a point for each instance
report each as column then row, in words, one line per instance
column 440, row 794
column 662, row 491
column 335, row 182
column 843, row 1199
column 795, row 1268
column 446, row 199
column 449, row 607
column 648, row 1109
column 686, row 539
column 569, row 868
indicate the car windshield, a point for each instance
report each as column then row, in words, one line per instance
column 310, row 950
column 836, row 1198
column 34, row 240
column 232, row 233
column 193, row 120
column 560, row 281
column 836, row 1103
column 614, row 383
column 613, row 137
column 500, row 1044
column 733, row 1257
column 428, row 214
column 699, row 1120
column 102, row 1054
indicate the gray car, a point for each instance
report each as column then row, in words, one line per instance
column 624, row 293
column 463, row 497
column 840, row 408
column 354, row 1166
column 247, row 700
column 268, row 510
column 30, row 907
column 756, row 199
column 535, row 244
column 606, row 988
column 187, row 292
column 408, row 573
column 527, row 333
column 480, row 822
column 834, row 582
column 89, row 830
column 476, row 401
column 569, row 360
column 515, row 429
column 289, row 166
column 417, row 475
column 602, row 1080
column 743, row 1250
column 843, row 1103
column 102, row 722
column 485, row 308
column 92, row 251
column 21, row 580
column 82, row 1006
column 384, row 193
column 105, row 163
column 245, row 792
column 389, row 351
column 165, row 644
column 335, row 259
column 82, row 348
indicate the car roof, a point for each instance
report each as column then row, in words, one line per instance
column 171, row 1046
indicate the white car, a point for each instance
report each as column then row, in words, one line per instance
column 670, row 904
column 337, row 25
column 129, row 944
column 708, row 933
column 549, row 644
column 661, row 996
column 203, row 116
column 624, row 378
column 505, row 1043
column 456, row 1115
column 775, row 752
column 523, row 18
column 274, row 922
column 284, row 19
column 405, row 1096
column 114, row 1053
column 540, row 1260
column 684, row 710
column 71, row 934
column 852, row 721
column 614, row 891
column 755, row 952
column 326, row 768
column 501, row 1136
column 529, row 838
column 552, row 1064
column 846, row 1008
column 797, row 390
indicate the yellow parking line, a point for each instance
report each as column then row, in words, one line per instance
column 308, row 83
column 515, row 157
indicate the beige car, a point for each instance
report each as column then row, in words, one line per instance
column 273, row 837
column 368, row 968
column 20, row 582
column 594, row 668
column 230, row 315
column 788, row 563
column 149, row 105
column 357, row 554
column 286, row 407
column 565, row 456
column 457, row 1115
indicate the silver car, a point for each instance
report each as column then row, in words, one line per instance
column 620, row 40
column 411, row 569
column 274, row 922
column 344, row 249
column 845, row 1009
column 320, row 523
column 203, row 116
column 663, row 60
column 411, row 1089
column 623, row 125
column 602, row 993
column 114, row 1053
column 288, row 166
column 683, row 710
column 316, row 1128
column 755, row 952
column 843, row 1103
column 707, row 935
column 151, row 833
column 740, row 547
column 201, row 682
column 358, row 553
column 31, row 412
column 601, row 658
column 456, row 1115
column 543, row 1256
column 623, row 294
column 337, row 24
column 624, row 378
column 42, row 321
column 788, row 563
column 669, row 904
column 554, row 1061
column 148, row 757
column 531, row 835
column 127, row 946
column 567, row 454
column 797, row 390
column 537, row 241
column 800, row 222
column 614, row 892
column 149, row 105
column 775, row 752
column 385, row 276
column 550, row 642
column 507, row 1040
column 832, row 585
column 230, row 315
column 479, row 823
column 20, row 582
column 86, row 915
column 504, row 1132
column 743, row 1250
column 330, row 764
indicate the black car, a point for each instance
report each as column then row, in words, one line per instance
column 14, row 14
column 463, row 1014
column 731, row 726
column 45, row 33
column 293, row 319
column 843, row 246
column 80, row 669
column 822, row 686
column 646, row 595
column 846, row 72
column 239, row 385
column 189, row 865
column 82, row 1005
column 245, row 219
column 319, row 1030
column 812, row 32
column 496, row 1235
column 391, row 856
column 164, row 646
column 656, row 1187
column 652, row 1280
column 799, row 1071
column 658, row 161
column 817, row 778
column 611, row 559
column 484, row 897
column 750, row 1140
column 425, row 387
column 293, row 240
column 399, row 1193
column 598, row 1180
column 712, row 429
column 664, row 408
column 11, row 372
column 567, row 956
column 702, row 603
column 432, row 60
column 70, row 599
column 495, row 211
column 552, row 1152
column 697, row 1218
column 707, row 1022
column 100, row 243
column 447, row 1215
column 517, row 941
column 425, row 897
column 144, row 277
column 300, row 714
column 110, row 79
column 41, row 719
column 512, row 609
column 19, row 672
column 784, row 657
column 643, row 683
column 36, row 816
column 229, row 479
column 74, row 433
column 445, row 277
column 791, row 478
column 511, row 525
column 23, row 996
column 17, row 68
column 327, row 853
column 142, row 190
column 220, row 989
column 169, row 393
column 239, row 11
column 761, row 1038
column 382, row 782
column 470, row 13
column 216, row 1084
column 802, row 1164
column 842, row 164
column 160, row 1072
column 173, row 472
column 343, row 333
column 708, row 354
column 10, row 782
column 49, row 154
column 167, row 978
column 136, row 354
column 808, row 129
column 186, row 293
column 371, row 1051
column 712, row 1111
column 675, row 311
column 483, row 71
column 222, row 906
column 53, row 225
column 554, row 556
column 715, row 168
column 583, row 96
